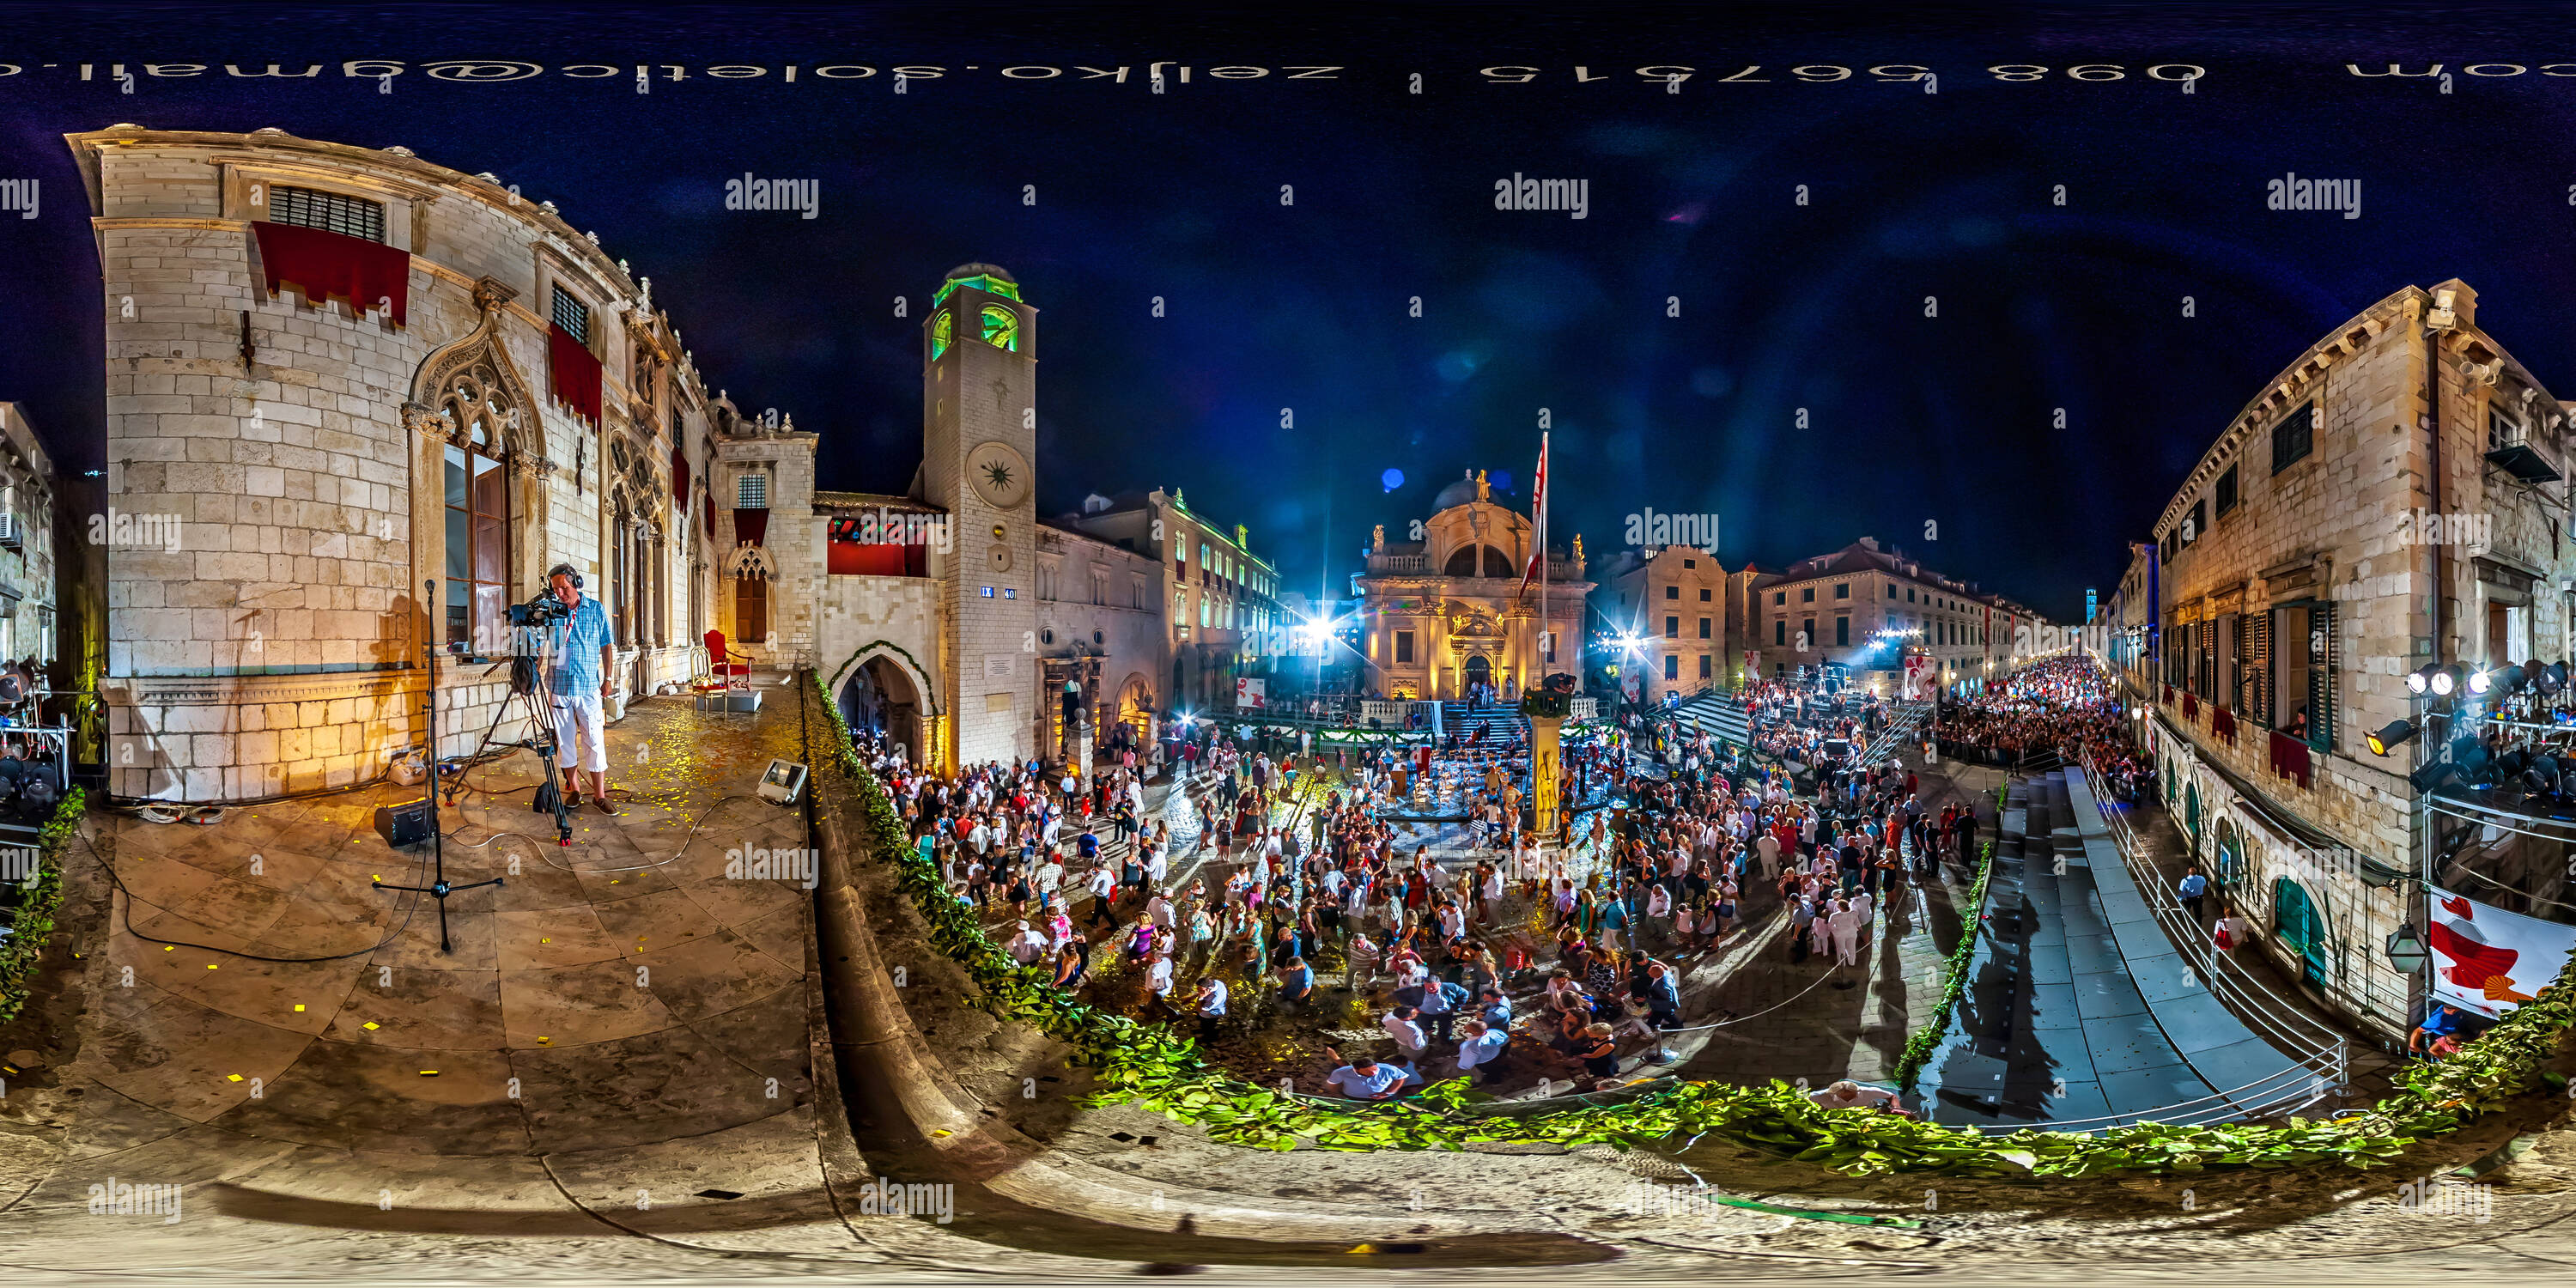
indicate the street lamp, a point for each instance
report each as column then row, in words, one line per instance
column 2406, row 949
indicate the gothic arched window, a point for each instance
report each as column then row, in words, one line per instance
column 477, row 415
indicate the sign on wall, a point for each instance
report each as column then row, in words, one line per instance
column 2490, row 961
column 1248, row 694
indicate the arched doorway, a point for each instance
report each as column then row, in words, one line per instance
column 2231, row 856
column 1136, row 709
column 1479, row 671
column 879, row 699
column 2300, row 926
column 751, row 607
column 2191, row 816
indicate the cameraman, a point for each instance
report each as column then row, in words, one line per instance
column 584, row 656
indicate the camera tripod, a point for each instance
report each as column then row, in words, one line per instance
column 530, row 699
column 439, row 887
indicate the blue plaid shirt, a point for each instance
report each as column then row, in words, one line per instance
column 577, row 645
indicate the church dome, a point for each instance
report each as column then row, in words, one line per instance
column 1458, row 493
column 964, row 271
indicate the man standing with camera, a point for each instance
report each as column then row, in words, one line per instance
column 584, row 656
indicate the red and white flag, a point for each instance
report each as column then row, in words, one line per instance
column 1538, row 521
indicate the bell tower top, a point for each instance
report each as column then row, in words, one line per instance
column 979, row 439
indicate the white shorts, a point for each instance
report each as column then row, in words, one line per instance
column 578, row 718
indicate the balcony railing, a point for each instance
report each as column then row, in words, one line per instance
column 1420, row 566
column 2512, row 447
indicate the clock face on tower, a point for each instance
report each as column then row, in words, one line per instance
column 999, row 474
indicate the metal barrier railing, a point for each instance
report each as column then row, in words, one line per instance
column 2298, row 1087
column 2318, row 1049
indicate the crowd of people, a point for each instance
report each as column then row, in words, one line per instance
column 1799, row 721
column 1306, row 896
column 2063, row 706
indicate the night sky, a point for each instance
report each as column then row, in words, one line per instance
column 1909, row 419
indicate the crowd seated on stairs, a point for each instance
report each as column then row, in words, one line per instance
column 2063, row 707
column 1792, row 722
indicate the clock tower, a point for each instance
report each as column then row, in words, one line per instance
column 979, row 436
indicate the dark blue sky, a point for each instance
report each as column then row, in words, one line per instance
column 1909, row 419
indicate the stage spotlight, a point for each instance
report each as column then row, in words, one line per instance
column 2479, row 682
column 2505, row 681
column 2446, row 680
column 2432, row 775
column 2397, row 734
column 2510, row 765
column 2545, row 774
column 2470, row 755
column 2420, row 680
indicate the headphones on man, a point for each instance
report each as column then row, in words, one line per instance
column 565, row 570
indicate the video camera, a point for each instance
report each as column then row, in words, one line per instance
column 544, row 610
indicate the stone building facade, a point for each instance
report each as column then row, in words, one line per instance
column 1221, row 598
column 1864, row 607
column 2384, row 503
column 377, row 459
column 763, row 577
column 1445, row 611
column 28, row 578
column 1684, row 610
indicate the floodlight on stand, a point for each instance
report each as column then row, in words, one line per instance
column 2396, row 733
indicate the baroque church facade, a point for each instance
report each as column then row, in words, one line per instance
column 1447, row 610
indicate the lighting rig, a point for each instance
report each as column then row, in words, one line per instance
column 2506, row 736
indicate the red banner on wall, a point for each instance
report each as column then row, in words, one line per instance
column 576, row 372
column 2289, row 758
column 329, row 265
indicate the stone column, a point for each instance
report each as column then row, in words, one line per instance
column 1545, row 769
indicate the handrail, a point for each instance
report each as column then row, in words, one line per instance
column 2205, row 960
column 2316, row 1086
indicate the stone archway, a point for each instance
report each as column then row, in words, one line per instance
column 880, row 699
column 1136, row 708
